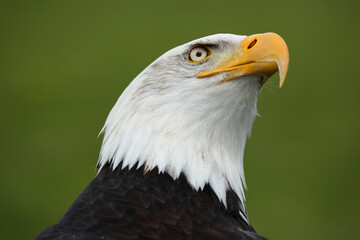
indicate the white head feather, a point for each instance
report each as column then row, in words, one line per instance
column 170, row 119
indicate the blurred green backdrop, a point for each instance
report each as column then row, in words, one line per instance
column 63, row 65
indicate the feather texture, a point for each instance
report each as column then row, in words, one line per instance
column 128, row 204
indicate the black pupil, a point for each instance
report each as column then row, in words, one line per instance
column 198, row 54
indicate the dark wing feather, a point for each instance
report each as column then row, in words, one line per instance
column 126, row 204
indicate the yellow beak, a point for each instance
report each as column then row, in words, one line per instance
column 260, row 54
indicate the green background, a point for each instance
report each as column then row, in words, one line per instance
column 63, row 65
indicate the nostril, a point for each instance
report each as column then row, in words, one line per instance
column 252, row 44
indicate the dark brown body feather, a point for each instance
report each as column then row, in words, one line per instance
column 126, row 204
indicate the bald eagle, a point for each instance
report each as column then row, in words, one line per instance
column 171, row 161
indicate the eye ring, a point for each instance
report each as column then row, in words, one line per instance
column 198, row 54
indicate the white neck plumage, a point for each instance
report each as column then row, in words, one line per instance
column 203, row 140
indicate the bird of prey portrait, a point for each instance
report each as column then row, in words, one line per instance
column 171, row 161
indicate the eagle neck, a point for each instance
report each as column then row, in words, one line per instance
column 205, row 143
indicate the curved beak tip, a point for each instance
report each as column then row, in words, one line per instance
column 282, row 80
column 283, row 67
column 281, row 55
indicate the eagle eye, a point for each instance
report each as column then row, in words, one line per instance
column 198, row 54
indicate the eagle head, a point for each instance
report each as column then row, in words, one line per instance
column 191, row 110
